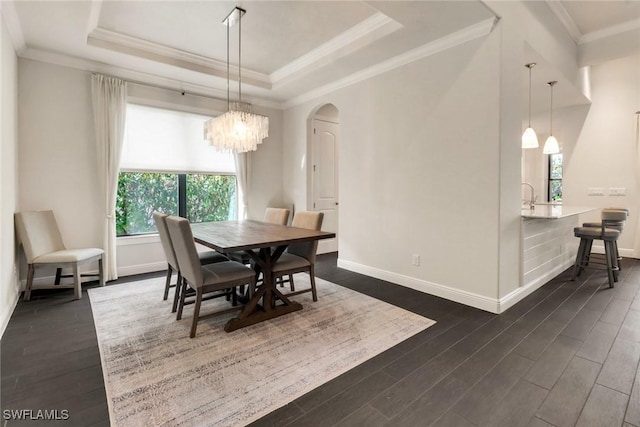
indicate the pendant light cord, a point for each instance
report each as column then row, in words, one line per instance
column 240, row 57
column 530, row 66
column 228, row 98
column 551, row 115
column 551, row 110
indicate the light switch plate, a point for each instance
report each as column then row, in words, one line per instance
column 595, row 191
column 617, row 191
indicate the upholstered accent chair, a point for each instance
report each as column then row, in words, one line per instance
column 43, row 246
column 221, row 277
column 207, row 257
column 300, row 257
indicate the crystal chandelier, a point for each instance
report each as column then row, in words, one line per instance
column 238, row 130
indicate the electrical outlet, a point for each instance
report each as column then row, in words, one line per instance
column 415, row 260
column 617, row 191
column 595, row 191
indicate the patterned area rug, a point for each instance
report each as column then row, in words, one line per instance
column 156, row 375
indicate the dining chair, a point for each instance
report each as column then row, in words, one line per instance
column 207, row 257
column 203, row 279
column 272, row 216
column 300, row 257
column 43, row 246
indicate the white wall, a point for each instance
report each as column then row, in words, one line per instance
column 57, row 157
column 418, row 170
column 430, row 161
column 605, row 154
column 8, row 175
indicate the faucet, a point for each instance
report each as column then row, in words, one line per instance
column 533, row 198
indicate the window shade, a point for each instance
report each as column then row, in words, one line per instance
column 162, row 140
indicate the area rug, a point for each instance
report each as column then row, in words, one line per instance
column 155, row 375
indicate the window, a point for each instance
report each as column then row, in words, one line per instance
column 555, row 177
column 167, row 166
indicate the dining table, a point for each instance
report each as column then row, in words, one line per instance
column 264, row 243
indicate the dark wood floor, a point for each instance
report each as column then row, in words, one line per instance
column 566, row 355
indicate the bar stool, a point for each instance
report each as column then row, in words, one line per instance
column 583, row 259
column 612, row 218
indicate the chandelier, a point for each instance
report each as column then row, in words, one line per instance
column 238, row 130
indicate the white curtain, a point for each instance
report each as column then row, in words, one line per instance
column 109, row 97
column 243, row 175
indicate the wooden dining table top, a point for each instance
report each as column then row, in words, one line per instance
column 239, row 235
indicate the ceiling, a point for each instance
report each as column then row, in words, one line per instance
column 290, row 49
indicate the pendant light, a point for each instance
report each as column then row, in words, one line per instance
column 551, row 146
column 529, row 137
column 238, row 130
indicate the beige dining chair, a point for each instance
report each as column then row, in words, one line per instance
column 300, row 257
column 207, row 257
column 219, row 277
column 43, row 246
column 272, row 216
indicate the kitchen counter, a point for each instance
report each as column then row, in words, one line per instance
column 554, row 211
column 549, row 246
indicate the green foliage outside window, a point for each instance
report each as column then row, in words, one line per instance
column 208, row 198
column 555, row 177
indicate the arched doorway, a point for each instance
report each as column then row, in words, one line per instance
column 323, row 170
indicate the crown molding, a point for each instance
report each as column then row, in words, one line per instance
column 11, row 20
column 610, row 31
column 138, row 77
column 118, row 42
column 454, row 39
column 376, row 26
column 566, row 19
column 94, row 15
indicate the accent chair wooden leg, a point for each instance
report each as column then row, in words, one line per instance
column 58, row 276
column 27, row 289
column 183, row 292
column 291, row 284
column 167, row 283
column 312, row 277
column 77, row 292
column 234, row 296
column 176, row 295
column 101, row 271
column 196, row 312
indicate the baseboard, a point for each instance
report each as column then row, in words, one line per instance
column 129, row 270
column 522, row 292
column 463, row 297
column 481, row 302
column 151, row 267
column 12, row 304
column 624, row 252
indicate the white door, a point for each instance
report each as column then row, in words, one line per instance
column 325, row 179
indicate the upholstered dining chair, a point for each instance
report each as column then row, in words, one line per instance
column 272, row 216
column 218, row 277
column 43, row 246
column 300, row 257
column 207, row 257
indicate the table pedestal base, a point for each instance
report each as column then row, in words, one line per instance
column 261, row 316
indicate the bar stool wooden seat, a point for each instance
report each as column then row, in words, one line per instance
column 587, row 235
